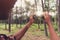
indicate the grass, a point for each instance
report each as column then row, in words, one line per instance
column 32, row 32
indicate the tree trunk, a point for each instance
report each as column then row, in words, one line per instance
column 5, row 25
column 20, row 23
column 16, row 17
column 38, row 22
column 9, row 20
column 59, row 16
column 38, row 26
column 45, row 28
column 46, row 33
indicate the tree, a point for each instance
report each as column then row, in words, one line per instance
column 16, row 16
column 5, row 24
column 38, row 21
column 59, row 15
column 44, row 7
column 9, row 21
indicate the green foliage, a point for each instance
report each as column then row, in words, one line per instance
column 34, row 27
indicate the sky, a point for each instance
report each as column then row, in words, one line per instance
column 21, row 3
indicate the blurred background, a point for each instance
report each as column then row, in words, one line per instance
column 21, row 12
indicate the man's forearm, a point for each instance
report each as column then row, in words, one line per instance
column 53, row 35
column 21, row 33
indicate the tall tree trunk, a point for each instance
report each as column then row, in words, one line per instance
column 5, row 25
column 38, row 24
column 56, row 12
column 9, row 20
column 16, row 16
column 45, row 28
column 36, row 1
column 59, row 16
column 36, row 4
column 20, row 22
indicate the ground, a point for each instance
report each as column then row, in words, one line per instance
column 33, row 32
column 35, row 35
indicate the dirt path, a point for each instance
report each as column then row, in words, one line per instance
column 35, row 35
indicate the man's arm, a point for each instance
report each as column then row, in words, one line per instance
column 53, row 35
column 21, row 32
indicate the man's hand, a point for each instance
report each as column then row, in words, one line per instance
column 53, row 35
column 46, row 17
column 31, row 19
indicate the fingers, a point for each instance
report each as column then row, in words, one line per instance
column 32, row 16
column 31, row 19
column 46, row 15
